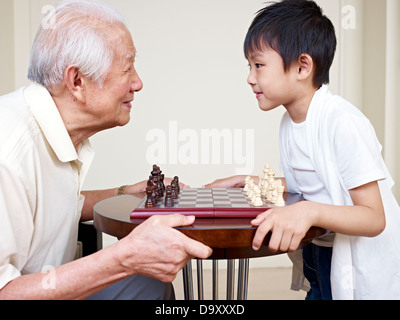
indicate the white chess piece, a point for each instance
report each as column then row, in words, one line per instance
column 280, row 202
column 274, row 195
column 250, row 188
column 257, row 202
column 256, row 190
column 246, row 186
column 271, row 185
column 265, row 184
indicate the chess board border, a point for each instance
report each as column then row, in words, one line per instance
column 210, row 212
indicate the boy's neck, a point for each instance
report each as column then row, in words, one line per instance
column 298, row 109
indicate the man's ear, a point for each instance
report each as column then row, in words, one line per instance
column 75, row 83
column 305, row 66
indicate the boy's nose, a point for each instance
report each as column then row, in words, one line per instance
column 251, row 80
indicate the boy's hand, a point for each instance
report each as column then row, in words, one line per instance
column 288, row 225
column 231, row 182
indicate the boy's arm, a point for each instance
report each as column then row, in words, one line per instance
column 290, row 224
column 236, row 182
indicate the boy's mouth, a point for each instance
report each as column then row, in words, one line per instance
column 258, row 94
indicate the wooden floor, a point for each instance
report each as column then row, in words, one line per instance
column 264, row 284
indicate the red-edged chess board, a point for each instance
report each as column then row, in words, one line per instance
column 211, row 203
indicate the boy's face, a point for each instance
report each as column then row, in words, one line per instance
column 272, row 85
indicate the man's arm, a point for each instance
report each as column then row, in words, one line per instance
column 94, row 197
column 154, row 249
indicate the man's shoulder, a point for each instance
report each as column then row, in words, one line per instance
column 12, row 107
column 16, row 120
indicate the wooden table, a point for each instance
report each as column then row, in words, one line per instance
column 230, row 239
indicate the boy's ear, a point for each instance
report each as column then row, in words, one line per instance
column 75, row 82
column 305, row 66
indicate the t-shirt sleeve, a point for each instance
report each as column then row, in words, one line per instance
column 358, row 151
column 16, row 225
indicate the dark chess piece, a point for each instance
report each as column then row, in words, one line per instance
column 157, row 184
column 178, row 188
column 174, row 190
column 162, row 182
column 169, row 201
column 150, row 202
column 151, row 185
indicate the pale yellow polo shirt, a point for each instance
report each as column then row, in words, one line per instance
column 41, row 176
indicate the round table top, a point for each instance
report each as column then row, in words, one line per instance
column 229, row 238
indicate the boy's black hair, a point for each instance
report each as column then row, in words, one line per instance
column 293, row 28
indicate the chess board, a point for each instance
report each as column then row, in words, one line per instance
column 211, row 203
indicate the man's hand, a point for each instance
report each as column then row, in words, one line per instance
column 155, row 249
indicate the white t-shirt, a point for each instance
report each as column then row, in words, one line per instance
column 307, row 179
column 41, row 176
column 346, row 154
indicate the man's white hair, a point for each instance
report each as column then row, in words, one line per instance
column 75, row 37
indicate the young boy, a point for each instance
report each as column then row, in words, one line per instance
column 330, row 154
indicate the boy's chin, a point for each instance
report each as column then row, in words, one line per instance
column 268, row 107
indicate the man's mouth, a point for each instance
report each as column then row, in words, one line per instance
column 128, row 104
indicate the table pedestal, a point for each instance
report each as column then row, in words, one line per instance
column 242, row 280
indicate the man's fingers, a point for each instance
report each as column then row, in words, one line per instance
column 197, row 249
column 193, row 248
column 174, row 220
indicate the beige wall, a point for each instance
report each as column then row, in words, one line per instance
column 6, row 47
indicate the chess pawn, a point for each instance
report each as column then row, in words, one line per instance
column 169, row 201
column 246, row 183
column 257, row 202
column 256, row 190
column 150, row 200
column 250, row 188
column 178, row 188
column 280, row 202
column 174, row 190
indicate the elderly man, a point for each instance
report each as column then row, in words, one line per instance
column 83, row 82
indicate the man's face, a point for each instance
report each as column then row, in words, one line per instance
column 112, row 103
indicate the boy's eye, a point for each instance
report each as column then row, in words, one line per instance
column 258, row 66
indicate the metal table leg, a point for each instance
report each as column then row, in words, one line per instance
column 188, row 281
column 243, row 279
column 230, row 281
column 215, row 279
column 200, row 281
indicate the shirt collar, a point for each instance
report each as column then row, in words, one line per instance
column 49, row 119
